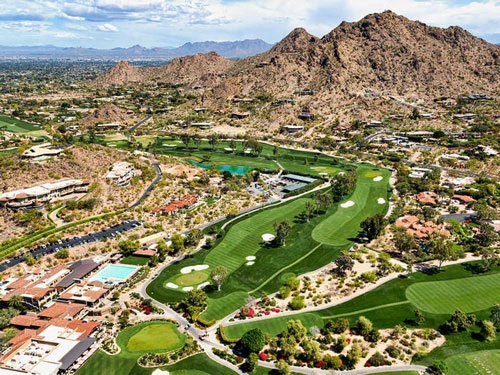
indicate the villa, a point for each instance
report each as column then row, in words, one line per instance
column 121, row 173
column 39, row 195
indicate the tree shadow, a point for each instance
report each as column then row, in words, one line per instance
column 475, row 268
column 410, row 322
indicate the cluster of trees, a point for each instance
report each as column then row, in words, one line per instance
column 194, row 303
column 343, row 184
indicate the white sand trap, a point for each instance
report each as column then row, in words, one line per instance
column 250, row 257
column 378, row 178
column 347, row 204
column 199, row 267
column 250, row 263
column 202, row 285
column 160, row 372
column 381, row 201
column 172, row 285
column 187, row 288
column 268, row 237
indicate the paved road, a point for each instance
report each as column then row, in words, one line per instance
column 150, row 188
column 131, row 129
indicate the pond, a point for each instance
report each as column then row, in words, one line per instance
column 233, row 169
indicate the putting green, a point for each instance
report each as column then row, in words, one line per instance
column 339, row 228
column 372, row 174
column 468, row 294
column 478, row 363
column 192, row 278
column 156, row 336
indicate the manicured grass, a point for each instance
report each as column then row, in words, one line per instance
column 192, row 278
column 17, row 126
column 199, row 364
column 136, row 261
column 344, row 225
column 479, row 363
column 386, row 306
column 444, row 297
column 155, row 336
column 301, row 254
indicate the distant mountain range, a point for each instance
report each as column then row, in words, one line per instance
column 231, row 50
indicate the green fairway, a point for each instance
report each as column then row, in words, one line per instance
column 485, row 362
column 342, row 226
column 136, row 261
column 13, row 125
column 192, row 278
column 303, row 251
column 444, row 297
column 386, row 306
column 156, row 336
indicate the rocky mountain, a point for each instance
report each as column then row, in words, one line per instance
column 383, row 53
column 197, row 69
column 232, row 50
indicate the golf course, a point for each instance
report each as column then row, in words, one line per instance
column 256, row 267
column 148, row 337
column 393, row 303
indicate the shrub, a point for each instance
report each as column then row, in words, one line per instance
column 284, row 292
column 297, row 303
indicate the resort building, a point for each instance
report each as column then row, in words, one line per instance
column 39, row 195
column 49, row 349
column 89, row 294
column 36, row 289
column 121, row 173
column 79, row 270
column 183, row 203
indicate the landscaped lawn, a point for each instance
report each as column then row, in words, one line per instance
column 136, row 261
column 199, row 364
column 154, row 336
column 17, row 126
column 302, row 253
column 444, row 297
column 485, row 362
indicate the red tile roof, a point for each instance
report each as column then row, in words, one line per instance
column 173, row 206
column 61, row 310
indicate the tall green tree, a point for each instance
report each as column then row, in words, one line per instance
column 442, row 249
column 218, row 276
column 282, row 231
column 374, row 225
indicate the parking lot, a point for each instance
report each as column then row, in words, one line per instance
column 70, row 242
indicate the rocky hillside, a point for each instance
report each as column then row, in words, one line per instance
column 187, row 70
column 383, row 53
column 108, row 113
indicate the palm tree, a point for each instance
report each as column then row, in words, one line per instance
column 16, row 302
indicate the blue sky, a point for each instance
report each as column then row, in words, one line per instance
column 123, row 23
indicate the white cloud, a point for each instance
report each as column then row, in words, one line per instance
column 171, row 22
column 107, row 27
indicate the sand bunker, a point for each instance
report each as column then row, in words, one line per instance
column 378, row 178
column 250, row 263
column 187, row 288
column 189, row 269
column 251, row 257
column 347, row 204
column 268, row 237
column 381, row 201
column 160, row 372
column 172, row 285
column 202, row 285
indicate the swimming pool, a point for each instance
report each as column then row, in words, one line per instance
column 114, row 273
